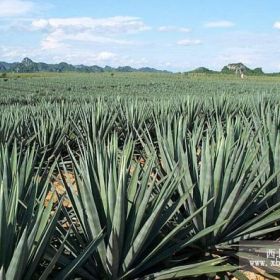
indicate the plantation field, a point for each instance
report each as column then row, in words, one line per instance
column 74, row 86
column 137, row 176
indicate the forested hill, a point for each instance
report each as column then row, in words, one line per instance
column 27, row 66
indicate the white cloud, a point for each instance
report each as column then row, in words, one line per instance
column 13, row 8
column 173, row 29
column 51, row 42
column 105, row 56
column 40, row 23
column 219, row 24
column 189, row 42
column 60, row 39
column 113, row 25
column 62, row 31
column 277, row 25
column 89, row 58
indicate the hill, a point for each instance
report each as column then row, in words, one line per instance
column 236, row 67
column 203, row 70
column 29, row 66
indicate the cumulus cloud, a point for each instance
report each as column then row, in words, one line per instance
column 189, row 42
column 13, row 8
column 219, row 24
column 277, row 25
column 113, row 25
column 61, row 31
column 77, row 57
column 173, row 29
column 104, row 56
column 51, row 42
column 60, row 39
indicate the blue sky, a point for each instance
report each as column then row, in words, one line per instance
column 175, row 35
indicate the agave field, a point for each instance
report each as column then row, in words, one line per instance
column 137, row 176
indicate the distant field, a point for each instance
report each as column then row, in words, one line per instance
column 56, row 87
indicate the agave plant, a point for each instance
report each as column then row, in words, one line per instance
column 8, row 127
column 229, row 169
column 138, row 211
column 267, row 123
column 26, row 224
column 94, row 122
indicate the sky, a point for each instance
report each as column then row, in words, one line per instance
column 176, row 35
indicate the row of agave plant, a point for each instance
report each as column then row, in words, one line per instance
column 164, row 198
column 54, row 126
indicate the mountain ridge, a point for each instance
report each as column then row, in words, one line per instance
column 29, row 66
